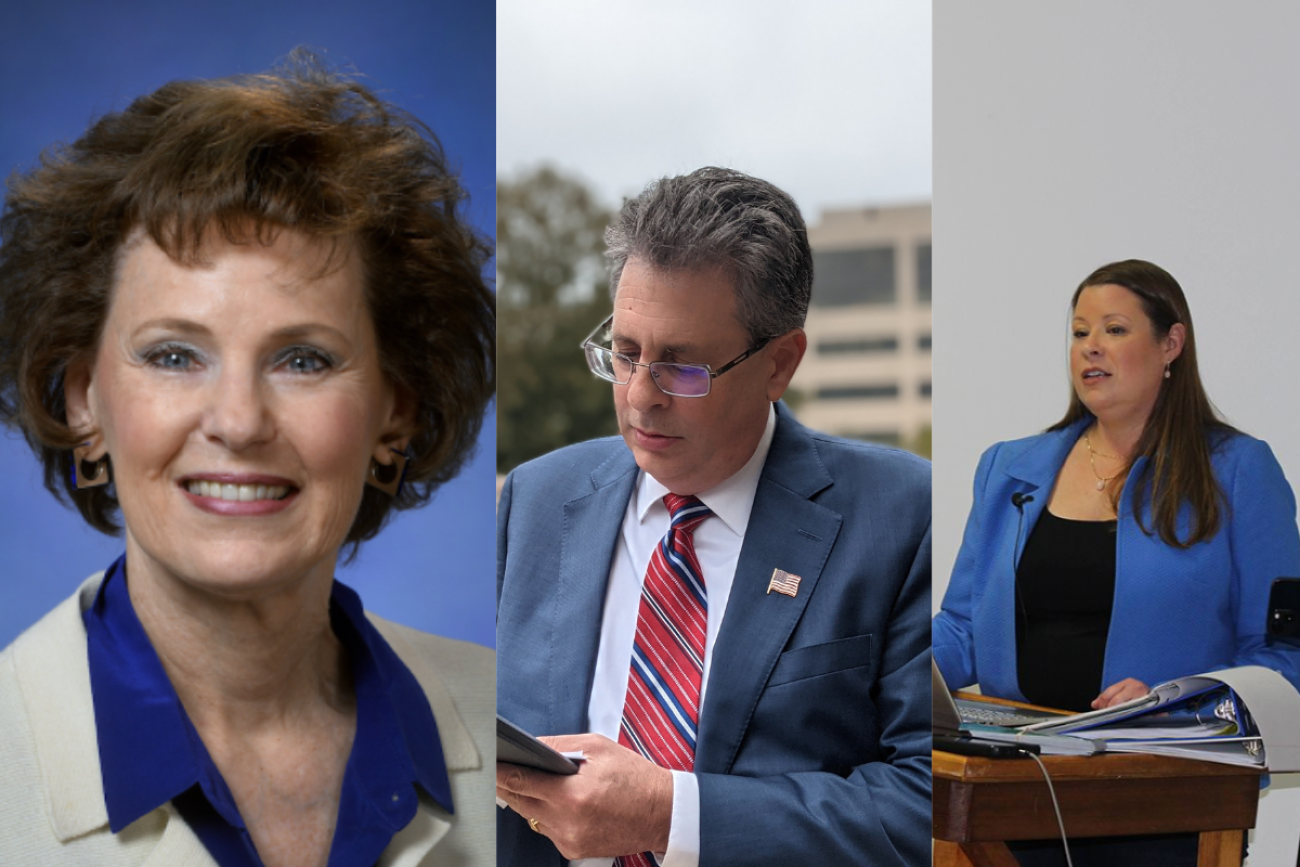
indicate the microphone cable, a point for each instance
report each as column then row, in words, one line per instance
column 1060, row 823
column 1018, row 499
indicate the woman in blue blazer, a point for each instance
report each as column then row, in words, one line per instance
column 1196, row 518
column 1134, row 541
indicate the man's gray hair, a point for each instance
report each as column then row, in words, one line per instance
column 719, row 218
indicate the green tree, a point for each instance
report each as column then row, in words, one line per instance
column 920, row 444
column 551, row 291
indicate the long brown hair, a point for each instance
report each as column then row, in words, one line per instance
column 1183, row 426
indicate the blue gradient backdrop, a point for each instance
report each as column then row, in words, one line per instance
column 64, row 64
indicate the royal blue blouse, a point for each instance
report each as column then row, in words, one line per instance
column 150, row 752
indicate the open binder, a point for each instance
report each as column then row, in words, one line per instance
column 1239, row 716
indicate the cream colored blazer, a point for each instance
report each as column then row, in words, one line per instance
column 52, row 796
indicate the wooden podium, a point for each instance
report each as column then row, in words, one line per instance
column 980, row 803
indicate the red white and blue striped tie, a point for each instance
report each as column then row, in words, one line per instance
column 662, row 708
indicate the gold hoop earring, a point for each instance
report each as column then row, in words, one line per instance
column 89, row 474
column 388, row 477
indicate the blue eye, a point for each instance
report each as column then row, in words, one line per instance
column 306, row 360
column 170, row 358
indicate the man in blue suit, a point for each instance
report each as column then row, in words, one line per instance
column 788, row 723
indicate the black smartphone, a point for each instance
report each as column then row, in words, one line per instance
column 984, row 749
column 518, row 747
column 1284, row 608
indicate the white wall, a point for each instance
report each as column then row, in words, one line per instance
column 1070, row 134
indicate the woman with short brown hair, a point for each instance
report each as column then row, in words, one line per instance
column 247, row 316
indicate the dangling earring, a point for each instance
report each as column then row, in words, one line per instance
column 388, row 477
column 88, row 474
column 1166, row 370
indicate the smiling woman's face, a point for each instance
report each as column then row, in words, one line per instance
column 240, row 402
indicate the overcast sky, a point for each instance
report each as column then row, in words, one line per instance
column 829, row 100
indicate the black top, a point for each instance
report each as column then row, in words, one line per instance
column 1065, row 590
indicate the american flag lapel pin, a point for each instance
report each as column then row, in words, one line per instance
column 784, row 582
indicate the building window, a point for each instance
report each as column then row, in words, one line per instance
column 925, row 388
column 923, row 273
column 923, row 343
column 861, row 276
column 857, row 392
column 844, row 346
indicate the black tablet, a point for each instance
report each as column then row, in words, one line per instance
column 518, row 747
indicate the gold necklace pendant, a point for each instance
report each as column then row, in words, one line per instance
column 1092, row 462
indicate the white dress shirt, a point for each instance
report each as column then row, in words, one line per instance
column 717, row 545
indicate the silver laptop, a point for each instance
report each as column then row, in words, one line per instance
column 948, row 715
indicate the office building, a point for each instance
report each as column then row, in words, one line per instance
column 867, row 371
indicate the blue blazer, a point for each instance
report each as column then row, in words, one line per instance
column 814, row 738
column 1177, row 611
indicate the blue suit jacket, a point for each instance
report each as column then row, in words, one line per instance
column 814, row 738
column 1176, row 612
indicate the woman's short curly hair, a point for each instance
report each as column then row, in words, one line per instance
column 302, row 148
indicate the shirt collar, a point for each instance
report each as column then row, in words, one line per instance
column 731, row 500
column 150, row 753
column 397, row 721
column 145, row 753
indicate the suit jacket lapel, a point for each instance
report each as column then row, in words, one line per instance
column 1035, row 474
column 786, row 531
column 589, row 539
column 50, row 662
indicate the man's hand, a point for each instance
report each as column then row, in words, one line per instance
column 617, row 804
